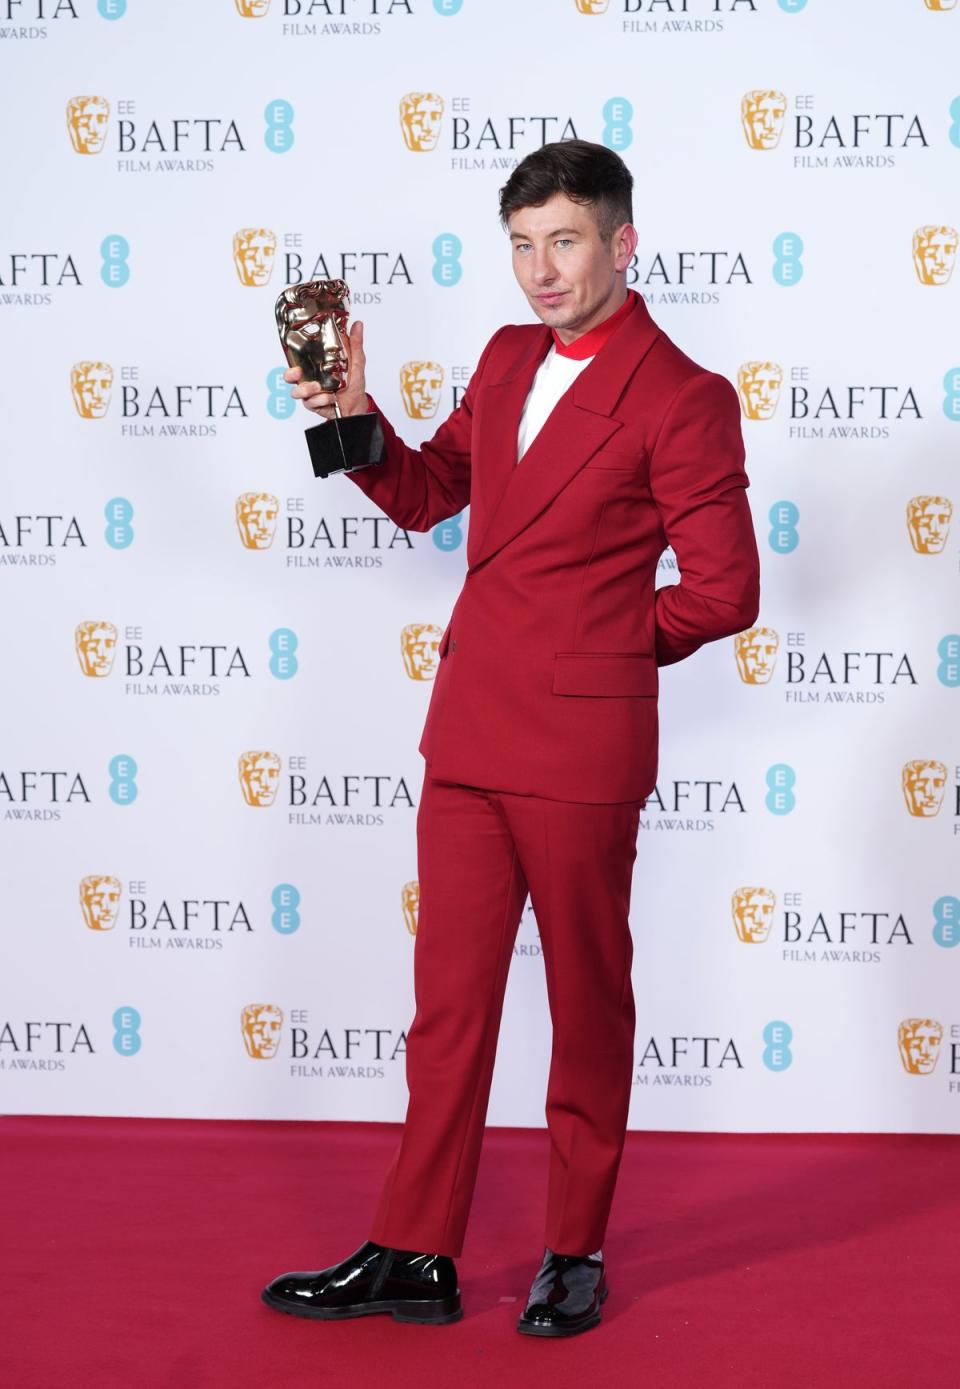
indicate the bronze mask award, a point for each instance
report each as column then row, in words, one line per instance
column 312, row 323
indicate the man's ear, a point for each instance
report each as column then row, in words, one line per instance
column 625, row 241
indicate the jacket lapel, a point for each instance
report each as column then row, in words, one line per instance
column 580, row 423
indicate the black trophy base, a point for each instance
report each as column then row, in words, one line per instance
column 346, row 444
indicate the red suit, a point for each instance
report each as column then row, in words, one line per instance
column 541, row 738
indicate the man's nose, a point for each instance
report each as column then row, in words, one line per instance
column 543, row 269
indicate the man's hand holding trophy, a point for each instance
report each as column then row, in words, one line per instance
column 327, row 371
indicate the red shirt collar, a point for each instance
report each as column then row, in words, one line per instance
column 590, row 344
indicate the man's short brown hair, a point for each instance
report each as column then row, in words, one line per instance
column 584, row 172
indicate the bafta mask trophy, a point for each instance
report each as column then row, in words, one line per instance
column 312, row 322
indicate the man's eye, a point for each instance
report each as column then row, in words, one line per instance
column 564, row 241
column 523, row 245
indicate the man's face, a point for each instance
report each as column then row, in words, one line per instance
column 567, row 271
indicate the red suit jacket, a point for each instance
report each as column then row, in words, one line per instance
column 547, row 683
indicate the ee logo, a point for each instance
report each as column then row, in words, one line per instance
column 123, row 779
column 285, row 900
column 119, row 532
column 946, row 919
column 447, row 250
column 278, row 136
column 948, row 671
column 280, row 402
column 951, row 398
column 447, row 535
column 114, row 272
column 283, row 661
column 780, row 799
column 126, row 1034
column 777, row 1037
column 617, row 115
column 783, row 518
column 787, row 264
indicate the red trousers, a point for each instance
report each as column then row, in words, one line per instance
column 479, row 854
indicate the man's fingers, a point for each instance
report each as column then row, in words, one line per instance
column 356, row 345
column 293, row 374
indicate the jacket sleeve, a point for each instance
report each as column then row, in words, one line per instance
column 417, row 488
column 699, row 483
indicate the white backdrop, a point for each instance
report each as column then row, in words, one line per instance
column 122, row 814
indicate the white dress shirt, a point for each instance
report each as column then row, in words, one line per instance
column 554, row 375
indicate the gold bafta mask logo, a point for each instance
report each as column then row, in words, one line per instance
column 934, row 253
column 923, row 786
column 928, row 523
column 91, row 383
column 410, row 901
column 940, row 4
column 420, row 384
column 256, row 514
column 252, row 9
column 420, row 646
column 762, row 115
column 593, row 6
column 752, row 909
column 919, row 1042
column 87, row 119
column 100, row 901
column 259, row 777
column 254, row 251
column 420, row 117
column 96, row 646
column 261, row 1024
column 758, row 386
column 756, row 653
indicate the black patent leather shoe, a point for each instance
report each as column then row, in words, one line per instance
column 407, row 1285
column 566, row 1296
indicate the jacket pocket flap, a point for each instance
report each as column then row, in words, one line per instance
column 579, row 673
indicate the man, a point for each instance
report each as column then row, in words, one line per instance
column 585, row 445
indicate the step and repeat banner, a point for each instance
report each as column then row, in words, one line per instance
column 217, row 667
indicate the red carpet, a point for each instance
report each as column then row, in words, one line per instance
column 134, row 1252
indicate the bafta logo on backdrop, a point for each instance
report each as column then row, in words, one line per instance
column 259, row 777
column 410, row 903
column 87, row 121
column 100, row 901
column 924, row 783
column 752, row 909
column 762, row 114
column 252, row 9
column 756, row 654
column 420, row 648
column 420, row 386
column 261, row 1024
column 918, row 1040
column 593, row 6
column 96, row 646
column 940, row 4
column 420, row 117
column 934, row 253
column 256, row 514
column 91, row 384
column 254, row 251
column 928, row 523
column 758, row 386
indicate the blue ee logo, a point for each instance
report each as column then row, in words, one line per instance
column 955, row 122
column 280, row 402
column 448, row 7
column 123, row 779
column 448, row 535
column 787, row 259
column 283, row 661
column 946, row 922
column 111, row 9
column 617, row 115
column 126, row 1031
column 951, row 395
column 783, row 518
column 447, row 250
column 114, row 272
column 792, row 6
column 948, row 671
column 780, row 799
column 285, row 900
column 777, row 1037
column 119, row 531
column 278, row 136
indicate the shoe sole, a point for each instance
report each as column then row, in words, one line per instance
column 439, row 1313
column 532, row 1329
